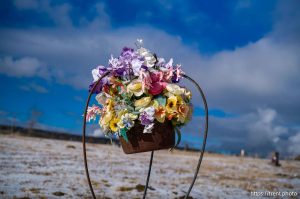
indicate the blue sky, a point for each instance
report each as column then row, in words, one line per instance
column 243, row 53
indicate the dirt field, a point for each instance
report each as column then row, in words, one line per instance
column 45, row 168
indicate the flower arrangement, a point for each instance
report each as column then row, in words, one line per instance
column 139, row 88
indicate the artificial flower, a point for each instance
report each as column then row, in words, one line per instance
column 147, row 115
column 157, row 88
column 136, row 65
column 148, row 128
column 127, row 120
column 149, row 59
column 157, row 85
column 174, row 89
column 187, row 94
column 160, row 114
column 109, row 104
column 177, row 74
column 145, row 79
column 143, row 102
column 117, row 67
column 98, row 72
column 92, row 112
column 171, row 104
column 138, row 86
column 135, row 87
column 102, row 97
column 113, row 124
column 106, row 118
column 127, row 54
column 183, row 110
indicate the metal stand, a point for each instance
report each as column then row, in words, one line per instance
column 152, row 153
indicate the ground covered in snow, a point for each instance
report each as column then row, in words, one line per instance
column 45, row 168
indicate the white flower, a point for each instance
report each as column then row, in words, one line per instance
column 169, row 64
column 95, row 73
column 113, row 62
column 149, row 110
column 102, row 97
column 175, row 89
column 127, row 120
column 147, row 115
column 148, row 128
column 149, row 58
column 136, row 66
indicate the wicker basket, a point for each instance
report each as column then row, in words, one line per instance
column 162, row 137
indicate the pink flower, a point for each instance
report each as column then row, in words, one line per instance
column 157, row 88
column 146, row 79
column 157, row 85
column 168, row 74
column 156, row 76
column 92, row 112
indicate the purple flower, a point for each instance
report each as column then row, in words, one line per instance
column 177, row 74
column 98, row 88
column 97, row 73
column 147, row 115
column 127, row 53
column 117, row 66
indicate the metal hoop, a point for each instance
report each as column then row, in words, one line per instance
column 152, row 153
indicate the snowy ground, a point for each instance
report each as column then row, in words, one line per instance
column 45, row 168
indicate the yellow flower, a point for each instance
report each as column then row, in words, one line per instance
column 171, row 104
column 174, row 89
column 183, row 111
column 109, row 104
column 188, row 94
column 143, row 102
column 179, row 100
column 114, row 124
column 154, row 103
column 160, row 114
column 135, row 87
column 106, row 118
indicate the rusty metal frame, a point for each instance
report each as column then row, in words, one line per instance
column 152, row 153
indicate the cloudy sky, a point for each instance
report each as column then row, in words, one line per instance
column 245, row 55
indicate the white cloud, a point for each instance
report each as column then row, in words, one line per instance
column 294, row 144
column 23, row 67
column 260, row 131
column 97, row 133
column 264, row 129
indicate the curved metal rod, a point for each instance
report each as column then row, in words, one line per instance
column 203, row 144
column 83, row 130
column 152, row 153
column 84, row 143
column 148, row 176
column 205, row 134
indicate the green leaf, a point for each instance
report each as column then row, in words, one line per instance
column 161, row 100
column 123, row 133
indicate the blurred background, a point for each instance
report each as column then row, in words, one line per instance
column 244, row 54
